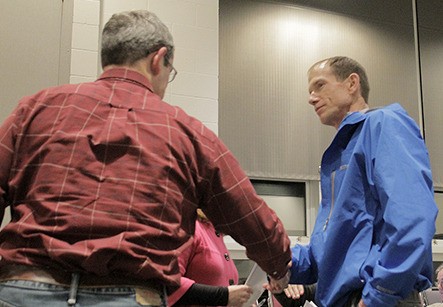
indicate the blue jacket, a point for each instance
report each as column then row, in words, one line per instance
column 377, row 215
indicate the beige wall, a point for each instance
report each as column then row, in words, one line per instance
column 32, row 50
column 194, row 26
column 265, row 51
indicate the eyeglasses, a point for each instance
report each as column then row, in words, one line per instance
column 173, row 72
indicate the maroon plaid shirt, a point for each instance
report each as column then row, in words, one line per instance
column 105, row 178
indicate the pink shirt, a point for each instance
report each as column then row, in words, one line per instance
column 105, row 178
column 207, row 262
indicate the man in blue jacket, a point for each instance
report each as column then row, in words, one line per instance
column 371, row 243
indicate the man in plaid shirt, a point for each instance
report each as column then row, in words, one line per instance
column 104, row 179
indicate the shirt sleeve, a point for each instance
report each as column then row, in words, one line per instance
column 308, row 295
column 185, row 285
column 8, row 131
column 232, row 205
column 205, row 295
column 399, row 175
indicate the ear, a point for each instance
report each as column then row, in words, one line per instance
column 354, row 82
column 157, row 60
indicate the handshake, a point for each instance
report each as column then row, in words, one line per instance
column 278, row 285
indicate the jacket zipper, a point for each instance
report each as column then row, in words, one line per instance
column 332, row 200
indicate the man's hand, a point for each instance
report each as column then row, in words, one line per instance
column 361, row 303
column 238, row 295
column 294, row 291
column 277, row 285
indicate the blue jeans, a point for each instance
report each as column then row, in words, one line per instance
column 15, row 293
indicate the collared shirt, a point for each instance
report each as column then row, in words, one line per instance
column 105, row 178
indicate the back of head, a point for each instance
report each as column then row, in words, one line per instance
column 130, row 36
column 342, row 67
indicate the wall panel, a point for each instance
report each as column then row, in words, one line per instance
column 265, row 50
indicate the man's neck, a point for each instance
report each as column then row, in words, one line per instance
column 139, row 66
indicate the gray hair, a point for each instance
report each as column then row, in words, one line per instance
column 132, row 35
column 342, row 67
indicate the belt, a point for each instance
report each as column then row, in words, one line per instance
column 145, row 290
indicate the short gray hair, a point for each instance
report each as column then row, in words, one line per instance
column 342, row 67
column 130, row 36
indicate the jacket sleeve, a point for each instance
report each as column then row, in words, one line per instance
column 303, row 270
column 399, row 175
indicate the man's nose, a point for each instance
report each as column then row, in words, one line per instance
column 313, row 99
